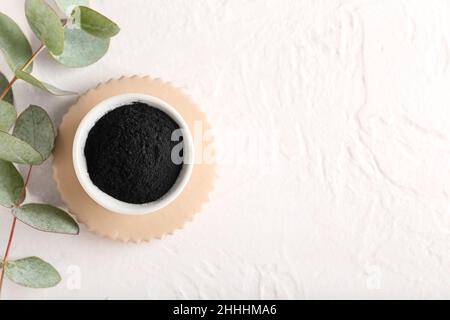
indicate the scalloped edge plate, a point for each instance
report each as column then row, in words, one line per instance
column 123, row 227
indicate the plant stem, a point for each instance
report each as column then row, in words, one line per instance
column 13, row 227
column 26, row 65
column 22, row 191
column 33, row 57
column 8, row 87
column 11, row 235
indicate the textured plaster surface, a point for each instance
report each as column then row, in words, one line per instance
column 346, row 103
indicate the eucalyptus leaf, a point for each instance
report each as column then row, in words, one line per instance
column 81, row 49
column 42, row 85
column 45, row 24
column 95, row 23
column 32, row 272
column 3, row 85
column 15, row 150
column 67, row 6
column 13, row 43
column 46, row 218
column 35, row 127
column 7, row 115
column 11, row 184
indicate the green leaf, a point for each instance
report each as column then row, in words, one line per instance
column 15, row 150
column 35, row 127
column 45, row 24
column 46, row 218
column 42, row 85
column 3, row 84
column 81, row 49
column 32, row 272
column 11, row 184
column 67, row 6
column 13, row 43
column 95, row 23
column 7, row 115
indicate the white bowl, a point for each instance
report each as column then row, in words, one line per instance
column 79, row 159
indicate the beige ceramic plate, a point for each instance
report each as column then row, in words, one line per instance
column 123, row 227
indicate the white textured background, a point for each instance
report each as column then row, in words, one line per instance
column 355, row 202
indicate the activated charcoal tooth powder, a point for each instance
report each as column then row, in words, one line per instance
column 128, row 153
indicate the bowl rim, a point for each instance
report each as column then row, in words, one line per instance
column 80, row 165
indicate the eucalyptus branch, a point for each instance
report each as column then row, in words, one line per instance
column 13, row 227
column 33, row 135
column 23, row 190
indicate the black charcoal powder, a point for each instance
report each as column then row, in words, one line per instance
column 128, row 153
